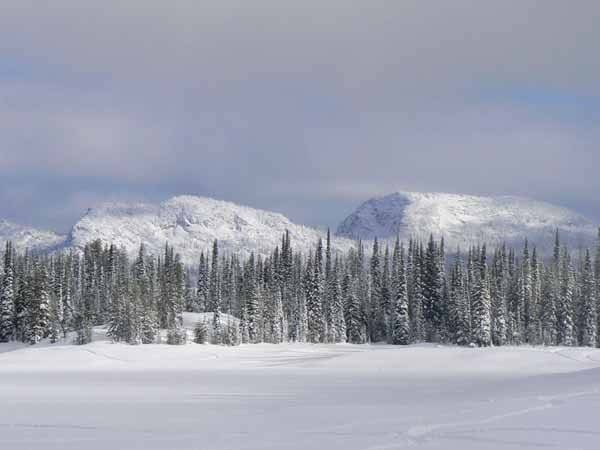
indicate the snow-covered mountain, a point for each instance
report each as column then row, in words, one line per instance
column 190, row 224
column 28, row 238
column 465, row 219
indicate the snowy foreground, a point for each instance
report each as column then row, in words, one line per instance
column 113, row 396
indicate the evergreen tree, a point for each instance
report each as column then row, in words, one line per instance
column 564, row 309
column 214, row 294
column 24, row 297
column 7, row 298
column 401, row 319
column 338, row 331
column 481, row 306
column 498, row 291
column 327, row 304
column 314, row 289
column 416, row 297
column 299, row 301
column 548, row 320
column 526, row 295
column 515, row 301
column 588, row 320
column 252, row 302
column 38, row 314
column 400, row 298
column 386, row 306
column 458, row 308
column 200, row 333
column 432, row 278
column 202, row 286
column 354, row 324
column 534, row 329
column 278, row 322
column 597, row 285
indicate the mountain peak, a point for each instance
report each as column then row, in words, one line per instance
column 24, row 237
column 465, row 220
column 190, row 224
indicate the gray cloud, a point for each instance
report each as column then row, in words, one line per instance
column 306, row 108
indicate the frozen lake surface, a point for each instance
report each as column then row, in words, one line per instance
column 296, row 396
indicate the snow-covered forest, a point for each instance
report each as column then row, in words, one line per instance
column 407, row 293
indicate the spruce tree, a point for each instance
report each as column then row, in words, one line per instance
column 7, row 298
column 548, row 319
column 534, row 329
column 24, row 297
column 252, row 302
column 327, row 304
column 597, row 285
column 588, row 319
column 432, row 279
column 314, row 288
column 38, row 317
column 300, row 305
column 401, row 319
column 416, row 297
column 377, row 325
column 278, row 322
column 338, row 333
column 526, row 295
column 200, row 333
column 564, row 309
column 458, row 311
column 498, row 291
column 481, row 305
column 202, row 285
column 354, row 322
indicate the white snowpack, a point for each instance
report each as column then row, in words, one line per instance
column 191, row 224
column 296, row 396
column 465, row 220
column 28, row 238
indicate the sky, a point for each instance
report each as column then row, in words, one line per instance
column 307, row 108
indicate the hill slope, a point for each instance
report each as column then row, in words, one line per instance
column 467, row 219
column 28, row 238
column 191, row 224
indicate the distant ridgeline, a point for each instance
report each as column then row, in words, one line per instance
column 191, row 224
column 403, row 293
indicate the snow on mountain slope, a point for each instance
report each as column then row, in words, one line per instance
column 190, row 224
column 28, row 238
column 467, row 219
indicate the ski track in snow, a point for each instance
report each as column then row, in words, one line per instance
column 424, row 433
column 298, row 396
column 103, row 355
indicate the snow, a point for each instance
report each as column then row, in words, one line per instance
column 297, row 396
column 28, row 238
column 465, row 220
column 190, row 319
column 190, row 224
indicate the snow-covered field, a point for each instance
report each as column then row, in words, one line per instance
column 203, row 397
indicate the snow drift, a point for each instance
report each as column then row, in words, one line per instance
column 297, row 396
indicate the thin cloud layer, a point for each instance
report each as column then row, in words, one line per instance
column 307, row 109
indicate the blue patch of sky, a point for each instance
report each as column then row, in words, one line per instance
column 566, row 106
column 20, row 68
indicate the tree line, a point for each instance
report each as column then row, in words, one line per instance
column 400, row 294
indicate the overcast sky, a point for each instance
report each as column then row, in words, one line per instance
column 303, row 107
